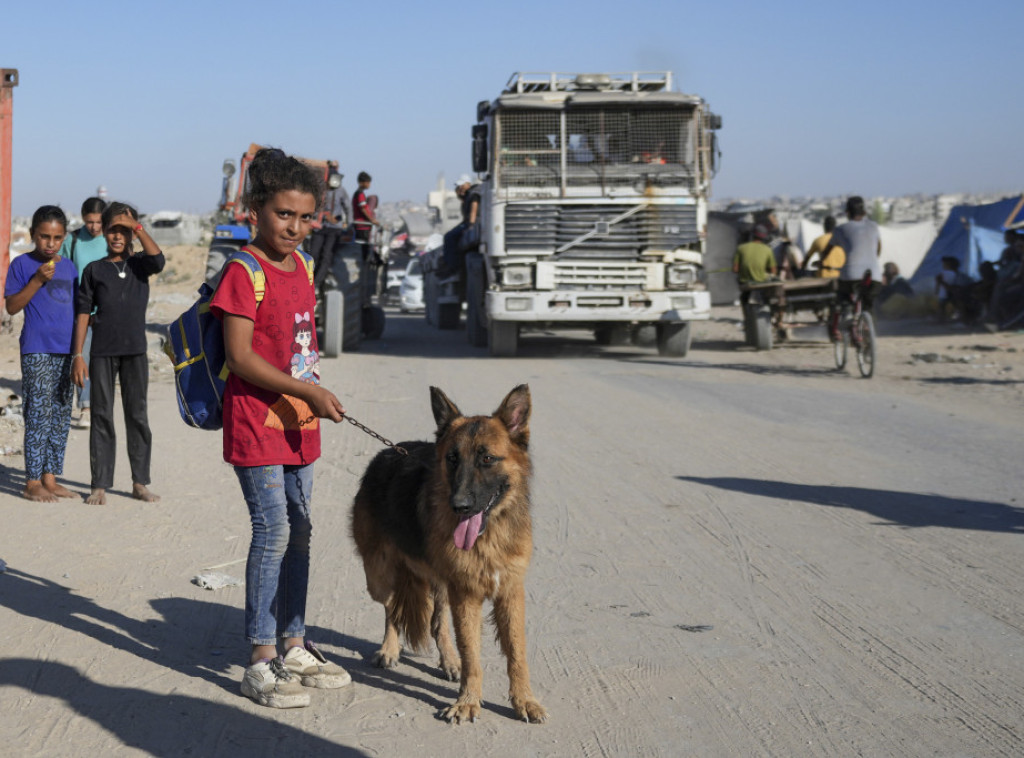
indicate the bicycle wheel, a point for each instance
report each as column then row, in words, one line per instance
column 839, row 348
column 865, row 330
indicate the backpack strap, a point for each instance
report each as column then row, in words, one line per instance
column 307, row 259
column 252, row 265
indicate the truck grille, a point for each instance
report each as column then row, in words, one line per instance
column 605, row 277
column 549, row 227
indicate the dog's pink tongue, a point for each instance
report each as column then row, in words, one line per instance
column 468, row 530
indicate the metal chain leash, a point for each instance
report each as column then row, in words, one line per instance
column 398, row 448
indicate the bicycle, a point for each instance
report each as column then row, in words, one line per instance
column 853, row 325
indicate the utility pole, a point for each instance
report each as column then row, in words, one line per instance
column 8, row 81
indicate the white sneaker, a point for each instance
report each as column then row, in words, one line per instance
column 313, row 669
column 83, row 420
column 269, row 683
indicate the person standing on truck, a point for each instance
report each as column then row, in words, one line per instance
column 754, row 261
column 363, row 216
column 861, row 240
column 466, row 236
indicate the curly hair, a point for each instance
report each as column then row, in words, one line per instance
column 271, row 171
column 45, row 213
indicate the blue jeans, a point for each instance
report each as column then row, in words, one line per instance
column 277, row 572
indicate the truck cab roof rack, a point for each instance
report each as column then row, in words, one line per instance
column 634, row 81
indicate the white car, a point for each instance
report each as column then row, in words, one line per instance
column 394, row 285
column 410, row 292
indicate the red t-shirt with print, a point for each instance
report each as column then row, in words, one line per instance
column 262, row 427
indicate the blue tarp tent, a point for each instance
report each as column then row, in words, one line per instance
column 972, row 234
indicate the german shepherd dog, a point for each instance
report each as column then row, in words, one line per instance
column 449, row 525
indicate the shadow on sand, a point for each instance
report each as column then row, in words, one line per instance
column 203, row 640
column 159, row 724
column 908, row 509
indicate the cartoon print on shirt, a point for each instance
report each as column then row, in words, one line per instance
column 305, row 361
column 290, row 413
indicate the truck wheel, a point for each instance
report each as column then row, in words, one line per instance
column 763, row 328
column 476, row 318
column 373, row 322
column 448, row 315
column 614, row 334
column 334, row 323
column 430, row 298
column 503, row 338
column 215, row 259
column 674, row 339
column 645, row 335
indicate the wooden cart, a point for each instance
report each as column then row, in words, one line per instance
column 768, row 304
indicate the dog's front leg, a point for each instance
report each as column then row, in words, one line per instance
column 439, row 629
column 510, row 620
column 466, row 617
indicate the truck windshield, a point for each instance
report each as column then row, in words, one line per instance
column 605, row 146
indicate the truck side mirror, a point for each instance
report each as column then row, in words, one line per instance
column 480, row 148
column 482, row 109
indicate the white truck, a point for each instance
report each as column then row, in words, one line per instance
column 593, row 208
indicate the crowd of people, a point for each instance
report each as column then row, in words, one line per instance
column 84, row 304
column 851, row 251
column 84, row 297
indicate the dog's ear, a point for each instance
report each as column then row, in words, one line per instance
column 445, row 411
column 514, row 413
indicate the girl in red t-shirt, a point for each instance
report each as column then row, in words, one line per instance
column 272, row 430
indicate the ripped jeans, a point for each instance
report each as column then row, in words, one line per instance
column 277, row 572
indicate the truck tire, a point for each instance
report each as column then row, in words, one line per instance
column 334, row 324
column 763, row 328
column 430, row 298
column 645, row 335
column 373, row 322
column 215, row 259
column 612, row 334
column 448, row 315
column 674, row 339
column 476, row 316
column 503, row 338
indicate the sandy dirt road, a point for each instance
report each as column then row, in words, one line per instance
column 737, row 553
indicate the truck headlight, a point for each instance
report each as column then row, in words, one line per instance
column 681, row 275
column 516, row 276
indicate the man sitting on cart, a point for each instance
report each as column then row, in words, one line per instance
column 753, row 262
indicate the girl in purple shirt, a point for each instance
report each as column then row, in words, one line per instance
column 43, row 284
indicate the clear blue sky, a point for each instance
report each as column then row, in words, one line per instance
column 148, row 99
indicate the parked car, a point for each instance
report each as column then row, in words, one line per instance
column 410, row 297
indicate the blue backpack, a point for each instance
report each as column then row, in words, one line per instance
column 195, row 345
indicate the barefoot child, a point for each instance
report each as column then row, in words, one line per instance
column 115, row 290
column 43, row 284
column 272, row 428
